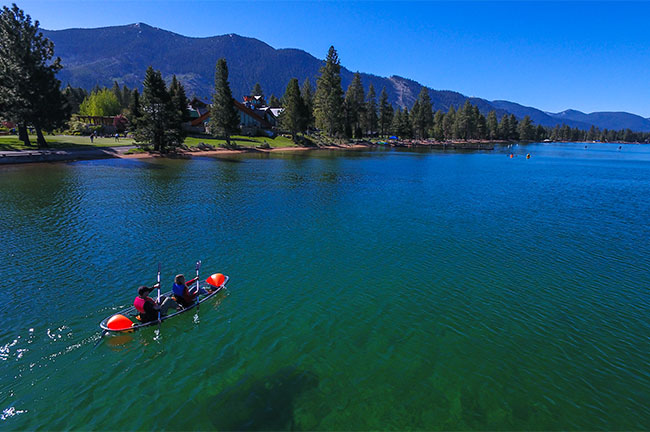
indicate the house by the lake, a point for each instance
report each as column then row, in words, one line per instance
column 255, row 116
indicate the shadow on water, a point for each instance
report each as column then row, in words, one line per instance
column 261, row 404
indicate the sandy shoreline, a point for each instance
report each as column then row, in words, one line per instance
column 67, row 155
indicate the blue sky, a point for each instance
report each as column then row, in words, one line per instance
column 590, row 56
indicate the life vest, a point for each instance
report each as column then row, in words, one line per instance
column 139, row 303
column 182, row 295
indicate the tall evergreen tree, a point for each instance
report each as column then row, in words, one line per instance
column 405, row 126
column 117, row 92
column 354, row 105
column 438, row 120
column 328, row 100
column 135, row 110
column 371, row 119
column 308, row 97
column 396, row 122
column 414, row 117
column 179, row 100
column 514, row 127
column 126, row 96
column 448, row 123
column 74, row 96
column 385, row 112
column 293, row 116
column 158, row 125
column 224, row 117
column 274, row 102
column 424, row 118
column 257, row 90
column 29, row 90
column 504, row 127
column 481, row 126
column 492, row 125
column 526, row 129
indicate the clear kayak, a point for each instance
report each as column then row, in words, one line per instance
column 127, row 319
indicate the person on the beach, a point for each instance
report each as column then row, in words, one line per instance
column 149, row 308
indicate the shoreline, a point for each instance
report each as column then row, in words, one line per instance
column 16, row 157
column 72, row 154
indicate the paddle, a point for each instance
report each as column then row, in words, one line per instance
column 198, row 303
column 158, row 279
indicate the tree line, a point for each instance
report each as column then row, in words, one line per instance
column 31, row 95
column 356, row 114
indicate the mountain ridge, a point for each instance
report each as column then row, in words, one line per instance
column 99, row 56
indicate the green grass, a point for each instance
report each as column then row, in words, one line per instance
column 11, row 142
column 242, row 141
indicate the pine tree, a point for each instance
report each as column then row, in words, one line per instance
column 526, row 129
column 135, row 110
column 438, row 120
column 224, row 117
column 448, row 124
column 126, row 96
column 424, row 117
column 405, row 127
column 396, row 122
column 117, row 92
column 504, row 127
column 158, row 125
column 29, row 90
column 481, row 127
column 385, row 112
column 354, row 105
column 74, row 97
column 294, row 117
column 492, row 126
column 328, row 100
column 274, row 102
column 308, row 99
column 257, row 90
column 414, row 117
column 371, row 118
column 514, row 127
column 179, row 100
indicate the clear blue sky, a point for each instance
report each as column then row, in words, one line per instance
column 550, row 55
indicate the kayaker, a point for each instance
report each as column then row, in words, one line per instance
column 149, row 308
column 183, row 291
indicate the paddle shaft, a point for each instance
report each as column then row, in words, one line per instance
column 198, row 303
column 158, row 279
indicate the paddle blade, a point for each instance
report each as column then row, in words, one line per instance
column 216, row 280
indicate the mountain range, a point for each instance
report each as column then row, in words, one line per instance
column 101, row 56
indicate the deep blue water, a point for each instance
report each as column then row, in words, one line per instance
column 369, row 290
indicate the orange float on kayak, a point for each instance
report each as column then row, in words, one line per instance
column 216, row 280
column 119, row 322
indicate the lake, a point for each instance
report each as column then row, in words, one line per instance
column 376, row 289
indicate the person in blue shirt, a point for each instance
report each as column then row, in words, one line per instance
column 184, row 293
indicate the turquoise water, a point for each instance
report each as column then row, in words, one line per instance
column 369, row 290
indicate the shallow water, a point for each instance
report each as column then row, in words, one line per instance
column 369, row 290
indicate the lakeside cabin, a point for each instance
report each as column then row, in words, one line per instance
column 254, row 115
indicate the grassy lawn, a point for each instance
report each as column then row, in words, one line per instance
column 242, row 141
column 11, row 142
